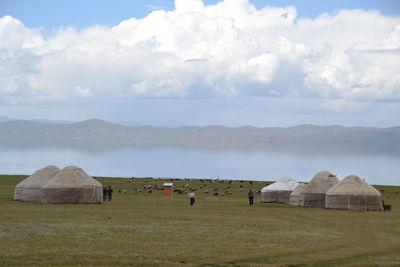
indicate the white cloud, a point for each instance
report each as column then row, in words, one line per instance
column 261, row 68
column 230, row 48
column 392, row 41
column 82, row 92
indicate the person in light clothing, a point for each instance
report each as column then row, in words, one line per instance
column 192, row 198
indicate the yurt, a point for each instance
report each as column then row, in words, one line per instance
column 353, row 194
column 19, row 188
column 39, row 174
column 72, row 186
column 315, row 190
column 295, row 198
column 32, row 187
column 278, row 192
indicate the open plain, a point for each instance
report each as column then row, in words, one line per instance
column 143, row 228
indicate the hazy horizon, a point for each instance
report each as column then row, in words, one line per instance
column 201, row 164
column 127, row 123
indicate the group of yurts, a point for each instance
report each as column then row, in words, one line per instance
column 51, row 185
column 325, row 191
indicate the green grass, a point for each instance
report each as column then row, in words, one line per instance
column 147, row 229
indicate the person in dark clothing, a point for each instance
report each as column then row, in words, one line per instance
column 105, row 194
column 110, row 192
column 250, row 194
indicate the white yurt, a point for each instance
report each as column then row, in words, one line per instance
column 353, row 194
column 39, row 174
column 32, row 187
column 19, row 188
column 278, row 192
column 314, row 192
column 295, row 198
column 72, row 186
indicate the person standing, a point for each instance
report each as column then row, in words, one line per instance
column 105, row 194
column 192, row 198
column 109, row 192
column 250, row 194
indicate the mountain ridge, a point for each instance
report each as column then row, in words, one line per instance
column 94, row 120
column 100, row 134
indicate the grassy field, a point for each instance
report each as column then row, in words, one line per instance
column 147, row 229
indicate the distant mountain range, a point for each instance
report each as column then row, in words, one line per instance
column 4, row 119
column 101, row 135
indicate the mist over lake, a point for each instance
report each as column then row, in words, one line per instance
column 194, row 163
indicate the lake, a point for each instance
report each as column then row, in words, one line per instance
column 191, row 163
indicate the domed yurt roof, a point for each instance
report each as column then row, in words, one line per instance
column 283, row 184
column 42, row 176
column 353, row 185
column 299, row 188
column 72, row 185
column 295, row 198
column 39, row 178
column 71, row 177
column 321, row 183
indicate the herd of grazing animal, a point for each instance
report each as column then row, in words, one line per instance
column 185, row 186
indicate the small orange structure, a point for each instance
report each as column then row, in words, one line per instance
column 168, row 189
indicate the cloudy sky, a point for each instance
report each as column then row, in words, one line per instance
column 193, row 62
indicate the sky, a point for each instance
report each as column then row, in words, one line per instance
column 193, row 62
